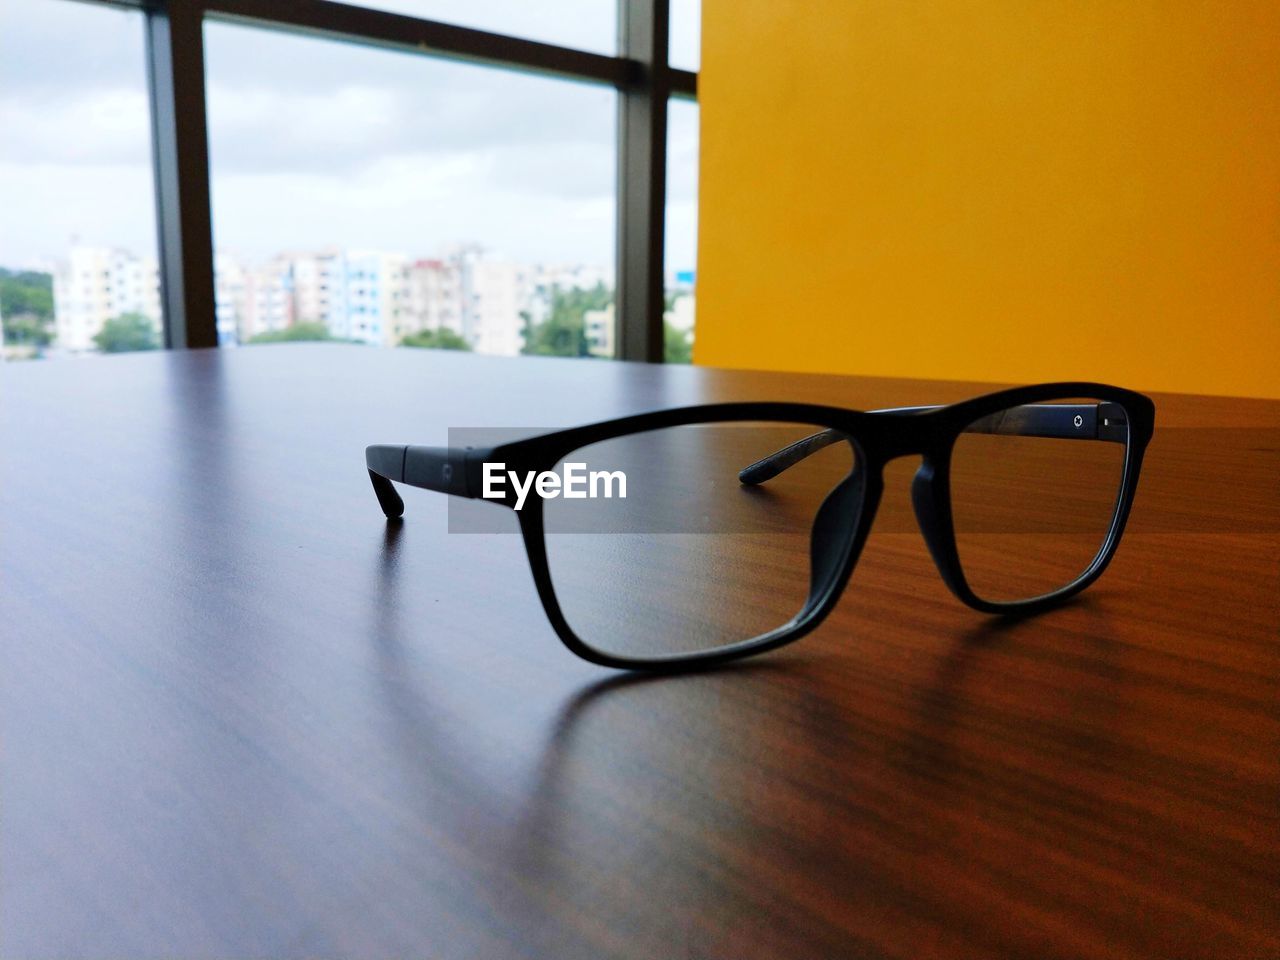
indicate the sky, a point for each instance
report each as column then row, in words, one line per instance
column 314, row 143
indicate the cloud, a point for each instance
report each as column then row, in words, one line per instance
column 399, row 206
column 52, row 50
column 46, row 207
column 100, row 127
column 287, row 102
column 316, row 141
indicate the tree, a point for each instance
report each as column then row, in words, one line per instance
column 26, row 292
column 299, row 331
column 677, row 346
column 127, row 332
column 26, row 330
column 26, row 304
column 442, row 339
column 563, row 333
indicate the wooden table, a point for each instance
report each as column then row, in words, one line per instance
column 242, row 717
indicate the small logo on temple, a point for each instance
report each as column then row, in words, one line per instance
column 1078, row 421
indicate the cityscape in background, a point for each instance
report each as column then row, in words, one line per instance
column 107, row 299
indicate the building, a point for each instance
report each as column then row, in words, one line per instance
column 380, row 297
column 494, row 297
column 367, row 292
column 266, row 299
column 355, row 295
column 228, row 291
column 546, row 279
column 433, row 298
column 599, row 327
column 96, row 284
column 311, row 281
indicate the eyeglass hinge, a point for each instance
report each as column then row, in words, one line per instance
column 1112, row 423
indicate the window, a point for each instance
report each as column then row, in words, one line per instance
column 78, row 267
column 582, row 24
column 681, row 230
column 685, row 36
column 424, row 172
column 395, row 181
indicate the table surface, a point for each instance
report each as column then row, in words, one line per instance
column 243, row 717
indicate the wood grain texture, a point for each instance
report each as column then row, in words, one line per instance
column 244, row 717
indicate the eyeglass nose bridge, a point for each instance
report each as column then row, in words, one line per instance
column 911, row 436
column 931, row 501
column 837, row 537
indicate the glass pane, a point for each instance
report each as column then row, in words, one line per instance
column 674, row 555
column 584, row 24
column 1033, row 492
column 681, row 228
column 78, row 248
column 685, row 39
column 387, row 198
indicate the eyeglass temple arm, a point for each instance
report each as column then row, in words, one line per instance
column 442, row 469
column 1067, row 421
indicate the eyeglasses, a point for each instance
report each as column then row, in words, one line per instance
column 692, row 536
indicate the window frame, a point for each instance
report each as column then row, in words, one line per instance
column 640, row 72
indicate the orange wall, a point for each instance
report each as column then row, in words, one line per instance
column 996, row 190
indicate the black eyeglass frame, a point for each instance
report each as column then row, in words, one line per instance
column 843, row 522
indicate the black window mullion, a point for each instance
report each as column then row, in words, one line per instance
column 180, row 157
column 642, row 178
column 684, row 84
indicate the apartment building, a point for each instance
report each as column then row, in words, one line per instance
column 367, row 296
column 95, row 284
column 433, row 298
